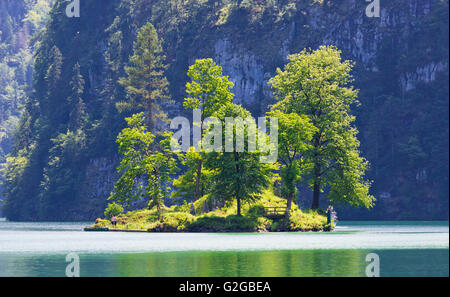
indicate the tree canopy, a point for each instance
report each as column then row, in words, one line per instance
column 209, row 90
column 237, row 174
column 145, row 82
column 295, row 135
column 317, row 84
column 145, row 172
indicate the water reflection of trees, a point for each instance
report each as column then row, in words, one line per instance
column 414, row 262
column 244, row 263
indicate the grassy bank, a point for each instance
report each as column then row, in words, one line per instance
column 197, row 218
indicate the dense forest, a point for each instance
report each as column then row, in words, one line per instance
column 63, row 156
column 19, row 21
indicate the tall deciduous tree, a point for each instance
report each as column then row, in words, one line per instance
column 145, row 82
column 317, row 84
column 294, row 137
column 209, row 90
column 238, row 174
column 144, row 171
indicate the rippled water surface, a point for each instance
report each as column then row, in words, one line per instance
column 404, row 248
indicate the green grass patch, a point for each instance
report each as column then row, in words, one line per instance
column 206, row 216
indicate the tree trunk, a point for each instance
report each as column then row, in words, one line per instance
column 289, row 205
column 150, row 116
column 316, row 194
column 237, row 192
column 197, row 181
column 159, row 210
column 238, row 206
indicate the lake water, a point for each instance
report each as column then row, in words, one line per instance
column 404, row 249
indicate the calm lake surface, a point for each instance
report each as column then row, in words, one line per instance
column 404, row 249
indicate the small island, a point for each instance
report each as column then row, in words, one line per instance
column 198, row 217
column 237, row 174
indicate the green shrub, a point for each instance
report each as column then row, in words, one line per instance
column 255, row 211
column 176, row 221
column 199, row 205
column 122, row 220
column 307, row 221
column 231, row 223
column 186, row 207
column 113, row 209
column 100, row 223
column 275, row 226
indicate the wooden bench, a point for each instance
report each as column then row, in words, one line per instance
column 275, row 212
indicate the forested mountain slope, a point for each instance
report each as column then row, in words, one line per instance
column 65, row 172
column 19, row 20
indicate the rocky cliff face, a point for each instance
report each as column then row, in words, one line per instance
column 246, row 72
column 345, row 25
column 399, row 57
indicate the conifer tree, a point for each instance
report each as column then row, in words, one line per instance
column 76, row 104
column 52, row 77
column 145, row 83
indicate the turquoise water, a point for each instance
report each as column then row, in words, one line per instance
column 404, row 249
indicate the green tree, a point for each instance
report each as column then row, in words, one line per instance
column 12, row 177
column 37, row 14
column 145, row 82
column 113, row 209
column 316, row 84
column 208, row 89
column 59, row 179
column 186, row 183
column 76, row 104
column 49, row 103
column 294, row 137
column 144, row 171
column 238, row 174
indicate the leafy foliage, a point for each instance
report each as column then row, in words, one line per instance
column 145, row 173
column 316, row 84
column 112, row 210
column 209, row 90
column 294, row 137
column 185, row 185
column 237, row 175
